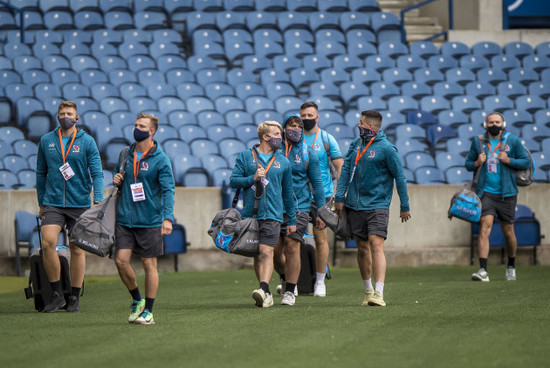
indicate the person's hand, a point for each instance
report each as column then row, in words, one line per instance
column 118, row 179
column 405, row 216
column 319, row 224
column 339, row 208
column 166, row 228
column 503, row 157
column 41, row 213
column 290, row 229
column 260, row 173
column 481, row 159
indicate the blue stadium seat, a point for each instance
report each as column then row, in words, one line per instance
column 247, row 89
column 129, row 90
column 340, row 131
column 518, row 49
column 422, row 118
column 542, row 117
column 301, row 78
column 140, row 62
column 182, row 163
column 238, row 117
column 465, row 103
column 468, row 131
column 541, row 89
column 333, row 75
column 247, row 132
column 497, row 103
column 104, row 134
column 459, row 146
column 109, row 63
column 486, row 49
column 224, row 104
column 169, row 62
column 351, row 92
column 179, row 118
column 410, row 63
column 316, row 62
column 423, row 49
column 531, row 144
column 174, row 147
column 392, row 49
column 536, row 132
column 454, row 49
column 415, row 160
column 356, row 36
column 379, row 63
column 387, row 26
column 8, row 180
column 330, row 35
column 391, row 120
column 208, row 5
column 542, row 160
column 201, row 147
column 355, row 21
column 230, row 19
column 323, row 20
column 260, row 19
column 428, row 76
column 330, row 49
column 213, row 162
column 178, row 76
column 216, row 89
column 26, row 106
column 94, row 118
column 402, row 104
column 253, row 63
column 206, row 76
column 384, row 90
column 523, row 75
column 429, row 176
column 142, row 104
column 231, row 146
column 448, row 90
column 543, row 49
column 288, row 105
column 239, row 5
column 491, row 76
column 277, row 89
column 396, row 76
column 324, row 102
column 72, row 36
column 71, row 91
column 444, row 160
column 45, row 90
column 121, row 76
column 365, row 76
column 34, row 76
column 271, row 5
column 17, row 90
column 109, row 105
column 26, row 178
column 452, row 118
column 347, row 62
column 535, row 62
column 196, row 178
column 89, row 20
column 100, row 50
column 59, row 20
column 127, row 49
column 505, row 62
column 148, row 76
column 198, row 104
column 371, row 103
column 237, row 76
column 286, row 63
column 158, row 90
column 200, row 20
column 217, row 133
column 323, row 89
column 80, row 63
column 41, row 50
column 15, row 162
column 209, row 118
column 11, row 134
column 166, row 132
column 51, row 105
column 14, row 49
column 438, row 135
column 410, row 132
column 531, row 103
column 434, row 104
column 190, row 132
column 298, row 49
column 474, row 63
column 480, row 90
column 361, row 49
column 256, row 103
column 442, row 62
column 150, row 20
column 460, row 76
column 457, row 175
column 511, row 89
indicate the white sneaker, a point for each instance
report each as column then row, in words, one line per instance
column 281, row 288
column 288, row 298
column 320, row 289
column 510, row 273
column 481, row 275
column 262, row 299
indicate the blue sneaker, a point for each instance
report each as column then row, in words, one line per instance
column 145, row 318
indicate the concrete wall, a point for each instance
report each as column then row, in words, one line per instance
column 484, row 15
column 428, row 238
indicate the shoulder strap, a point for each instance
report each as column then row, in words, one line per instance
column 473, row 183
column 326, row 142
column 122, row 160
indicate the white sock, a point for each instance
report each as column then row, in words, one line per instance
column 380, row 287
column 368, row 284
column 320, row 277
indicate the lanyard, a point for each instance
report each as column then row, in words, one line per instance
column 136, row 167
column 316, row 135
column 260, row 165
column 358, row 156
column 287, row 148
column 493, row 151
column 63, row 147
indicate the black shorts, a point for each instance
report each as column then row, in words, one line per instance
column 302, row 222
column 269, row 232
column 313, row 210
column 61, row 216
column 503, row 209
column 364, row 223
column 145, row 242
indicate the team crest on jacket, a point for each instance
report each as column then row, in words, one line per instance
column 277, row 165
column 76, row 149
column 316, row 147
column 372, row 153
column 297, row 159
column 506, row 148
column 145, row 166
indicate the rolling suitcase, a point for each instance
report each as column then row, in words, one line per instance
column 39, row 285
column 307, row 277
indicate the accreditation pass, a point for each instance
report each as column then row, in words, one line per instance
column 138, row 194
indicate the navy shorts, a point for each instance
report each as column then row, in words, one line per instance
column 269, row 232
column 61, row 216
column 364, row 223
column 302, row 222
column 145, row 242
column 503, row 209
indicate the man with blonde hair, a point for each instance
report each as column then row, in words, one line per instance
column 67, row 156
column 145, row 214
column 266, row 176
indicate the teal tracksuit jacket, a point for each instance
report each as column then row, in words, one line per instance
column 372, row 184
column 518, row 160
column 279, row 187
column 51, row 188
column 155, row 172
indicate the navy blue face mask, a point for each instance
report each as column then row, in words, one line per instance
column 140, row 135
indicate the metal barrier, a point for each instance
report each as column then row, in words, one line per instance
column 21, row 15
column 416, row 6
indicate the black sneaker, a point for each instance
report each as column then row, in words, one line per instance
column 73, row 305
column 57, row 302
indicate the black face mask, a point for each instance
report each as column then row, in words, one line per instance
column 309, row 123
column 494, row 130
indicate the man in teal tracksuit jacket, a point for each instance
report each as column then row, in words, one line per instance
column 370, row 168
column 306, row 174
column 66, row 158
column 145, row 214
column 502, row 153
column 263, row 172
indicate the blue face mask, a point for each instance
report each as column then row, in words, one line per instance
column 140, row 135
